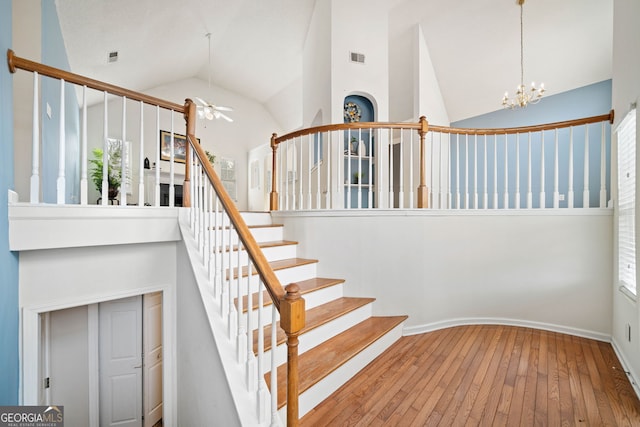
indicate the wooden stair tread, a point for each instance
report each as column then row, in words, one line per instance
column 320, row 361
column 280, row 264
column 269, row 244
column 315, row 317
column 306, row 286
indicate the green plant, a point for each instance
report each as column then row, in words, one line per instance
column 113, row 168
column 211, row 157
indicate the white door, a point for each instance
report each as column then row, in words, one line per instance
column 152, row 338
column 121, row 362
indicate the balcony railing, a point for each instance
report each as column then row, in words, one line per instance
column 413, row 165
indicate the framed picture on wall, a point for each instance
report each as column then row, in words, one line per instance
column 179, row 146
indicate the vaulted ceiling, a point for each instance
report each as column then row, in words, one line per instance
column 256, row 45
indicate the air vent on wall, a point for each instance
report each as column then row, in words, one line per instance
column 113, row 56
column 357, row 57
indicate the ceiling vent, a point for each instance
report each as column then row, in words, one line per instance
column 357, row 57
column 113, row 56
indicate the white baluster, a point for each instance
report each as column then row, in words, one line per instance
column 585, row 194
column 241, row 340
column 231, row 322
column 224, row 279
column 603, row 168
column 495, row 171
column 543, row 195
column 251, row 359
column 123, row 155
column 34, row 190
column 286, row 175
column 432, row 172
column 529, row 190
column 485, row 167
column 318, row 176
column 556, row 190
column 448, row 169
column 440, row 196
column 466, row 171
column 475, row 172
column 506, row 173
column 301, row 178
column 327, row 196
column 275, row 421
column 517, row 202
column 84, row 185
column 309, row 176
column 217, row 245
column 391, row 168
column 105, row 154
column 348, row 179
column 411, row 180
column 370, row 189
column 262, row 388
column 62, row 148
column 401, row 174
column 172, row 155
column 359, row 154
column 458, row 171
column 156, row 190
column 570, row 194
column 141, row 201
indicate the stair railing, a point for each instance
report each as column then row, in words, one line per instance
column 228, row 249
column 216, row 223
column 367, row 165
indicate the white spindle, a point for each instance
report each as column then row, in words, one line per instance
column 300, row 177
column 327, row 196
column 485, row 172
column 543, row 195
column 231, row 319
column 495, row 171
column 172, row 190
column 34, row 190
column 318, row 176
column 123, row 155
column 458, row 171
column 218, row 241
column 62, row 148
column 391, row 168
column 401, row 174
column 603, row 168
column 156, row 190
column 556, row 190
column 222, row 271
column 370, row 154
column 448, row 169
column 84, row 186
column 529, row 189
column 466, row 171
column 517, row 201
column 241, row 339
column 359, row 154
column 585, row 193
column 141, row 193
column 309, row 170
column 570, row 194
column 105, row 153
column 262, row 387
column 506, row 173
column 411, row 180
column 251, row 360
column 440, row 196
column 275, row 421
column 432, row 172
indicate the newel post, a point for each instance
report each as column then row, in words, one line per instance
column 190, row 118
column 423, row 191
column 292, row 318
column 273, row 201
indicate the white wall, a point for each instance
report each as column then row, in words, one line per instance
column 428, row 99
column 286, row 106
column 626, row 90
column 549, row 269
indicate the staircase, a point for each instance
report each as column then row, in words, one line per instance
column 341, row 335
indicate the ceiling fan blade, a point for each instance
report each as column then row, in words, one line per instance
column 222, row 108
column 201, row 101
column 224, row 116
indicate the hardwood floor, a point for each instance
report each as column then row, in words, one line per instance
column 486, row 375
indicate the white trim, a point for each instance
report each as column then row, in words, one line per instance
column 421, row 329
column 93, row 352
column 442, row 212
column 627, row 367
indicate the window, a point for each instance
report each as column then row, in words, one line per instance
column 626, row 202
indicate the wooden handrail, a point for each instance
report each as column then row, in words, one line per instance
column 15, row 62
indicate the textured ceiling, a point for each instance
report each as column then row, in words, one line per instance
column 256, row 45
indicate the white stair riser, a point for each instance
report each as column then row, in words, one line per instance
column 274, row 253
column 256, row 218
column 321, row 334
column 262, row 234
column 325, row 387
column 285, row 276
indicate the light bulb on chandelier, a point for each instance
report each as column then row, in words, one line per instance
column 523, row 96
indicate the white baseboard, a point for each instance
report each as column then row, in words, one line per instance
column 421, row 329
column 628, row 369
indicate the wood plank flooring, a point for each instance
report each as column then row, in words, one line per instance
column 486, row 375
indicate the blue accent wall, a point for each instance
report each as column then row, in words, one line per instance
column 587, row 101
column 9, row 363
column 55, row 55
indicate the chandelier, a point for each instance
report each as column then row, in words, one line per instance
column 523, row 96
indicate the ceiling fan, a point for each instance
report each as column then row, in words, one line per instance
column 205, row 109
column 209, row 111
